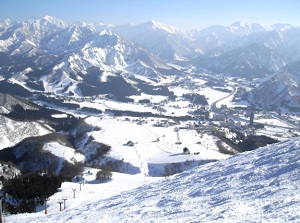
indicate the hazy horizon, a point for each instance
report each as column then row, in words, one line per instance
column 187, row 15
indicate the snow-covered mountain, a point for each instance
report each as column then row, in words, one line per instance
column 167, row 42
column 58, row 56
column 47, row 54
column 13, row 131
column 280, row 90
column 290, row 48
column 29, row 138
column 49, row 152
column 254, row 54
column 46, row 57
column 249, row 60
column 103, row 55
column 26, row 37
column 8, row 102
column 46, row 39
column 216, row 36
column 262, row 185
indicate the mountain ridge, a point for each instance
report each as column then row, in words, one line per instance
column 51, row 55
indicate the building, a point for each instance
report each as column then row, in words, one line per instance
column 219, row 117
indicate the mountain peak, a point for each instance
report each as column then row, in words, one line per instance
column 156, row 26
column 5, row 22
column 281, row 27
column 241, row 24
column 50, row 20
column 152, row 21
column 107, row 32
column 243, row 28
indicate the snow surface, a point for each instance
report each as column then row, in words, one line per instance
column 12, row 132
column 64, row 153
column 154, row 147
column 257, row 186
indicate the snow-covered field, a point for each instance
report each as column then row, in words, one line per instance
column 257, row 186
column 64, row 153
column 152, row 145
column 273, row 126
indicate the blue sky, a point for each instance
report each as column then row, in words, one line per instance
column 186, row 14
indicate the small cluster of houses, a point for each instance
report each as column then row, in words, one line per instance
column 185, row 149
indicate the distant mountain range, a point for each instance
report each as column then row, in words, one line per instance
column 49, row 55
column 279, row 91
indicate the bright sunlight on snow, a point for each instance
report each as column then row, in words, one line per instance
column 249, row 187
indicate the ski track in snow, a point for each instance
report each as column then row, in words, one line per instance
column 257, row 186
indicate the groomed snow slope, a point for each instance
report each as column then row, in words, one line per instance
column 258, row 186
